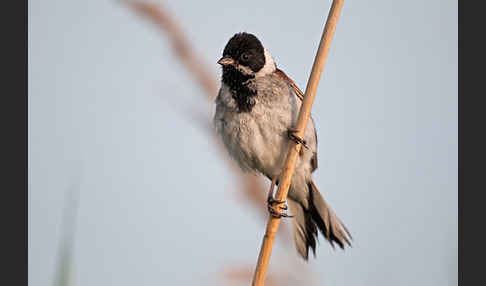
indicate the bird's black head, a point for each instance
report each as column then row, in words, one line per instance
column 244, row 58
column 245, row 53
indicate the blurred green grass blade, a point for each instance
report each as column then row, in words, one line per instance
column 64, row 262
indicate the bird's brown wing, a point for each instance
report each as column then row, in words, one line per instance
column 300, row 95
column 292, row 84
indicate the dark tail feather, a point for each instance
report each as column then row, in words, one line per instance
column 326, row 220
column 305, row 230
column 318, row 216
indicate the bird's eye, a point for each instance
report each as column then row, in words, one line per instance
column 244, row 57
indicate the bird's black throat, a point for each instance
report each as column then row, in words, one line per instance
column 242, row 92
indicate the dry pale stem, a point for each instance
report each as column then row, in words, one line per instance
column 304, row 113
column 181, row 46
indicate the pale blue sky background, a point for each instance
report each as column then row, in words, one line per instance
column 160, row 210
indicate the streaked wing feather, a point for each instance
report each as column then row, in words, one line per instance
column 292, row 84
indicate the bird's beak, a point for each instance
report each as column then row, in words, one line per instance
column 226, row 61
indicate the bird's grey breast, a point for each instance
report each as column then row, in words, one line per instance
column 255, row 139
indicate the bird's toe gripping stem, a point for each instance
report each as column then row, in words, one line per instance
column 275, row 210
column 292, row 136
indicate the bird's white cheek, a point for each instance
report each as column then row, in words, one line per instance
column 269, row 66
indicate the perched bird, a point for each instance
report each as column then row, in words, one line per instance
column 256, row 109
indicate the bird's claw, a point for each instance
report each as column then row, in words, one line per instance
column 275, row 210
column 272, row 201
column 295, row 138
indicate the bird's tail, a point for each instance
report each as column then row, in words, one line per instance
column 317, row 216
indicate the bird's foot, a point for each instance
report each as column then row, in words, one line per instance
column 291, row 134
column 276, row 209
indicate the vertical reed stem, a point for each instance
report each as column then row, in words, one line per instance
column 304, row 113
